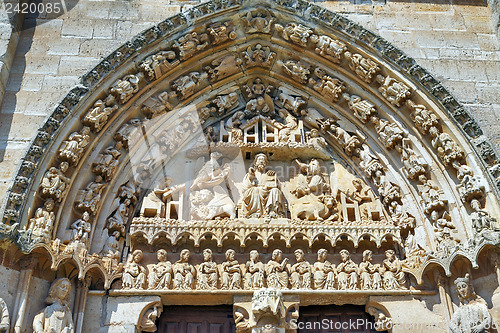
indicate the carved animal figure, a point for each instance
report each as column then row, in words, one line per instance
column 314, row 208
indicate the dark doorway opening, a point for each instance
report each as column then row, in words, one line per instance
column 197, row 319
column 335, row 319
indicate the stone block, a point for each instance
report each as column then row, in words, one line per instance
column 77, row 28
column 465, row 91
column 52, row 83
column 11, row 126
column 32, row 82
column 64, row 46
column 401, row 39
column 470, row 70
column 10, row 157
column 76, row 65
column 488, row 42
column 13, row 102
column 43, row 103
column 104, row 29
column 429, row 39
column 99, row 47
column 479, row 24
column 42, row 64
column 447, row 21
column 488, row 93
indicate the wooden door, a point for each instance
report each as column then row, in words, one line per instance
column 335, row 319
column 196, row 319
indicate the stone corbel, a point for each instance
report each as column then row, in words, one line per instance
column 267, row 311
column 147, row 320
column 383, row 321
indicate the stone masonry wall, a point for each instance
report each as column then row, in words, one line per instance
column 455, row 40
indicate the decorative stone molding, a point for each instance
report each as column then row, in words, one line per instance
column 148, row 317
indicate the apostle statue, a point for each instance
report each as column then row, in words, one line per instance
column 134, row 274
column 394, row 277
column 323, row 272
column 207, row 272
column 231, row 271
column 347, row 272
column 160, row 274
column 56, row 317
column 472, row 315
column 254, row 277
column 369, row 273
column 261, row 191
column 277, row 271
column 300, row 277
column 184, row 272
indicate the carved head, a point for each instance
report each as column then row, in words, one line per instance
column 207, row 255
column 344, row 254
column 390, row 254
column 86, row 216
column 49, row 205
column 59, row 291
column 277, row 255
column 322, row 255
column 254, row 255
column 137, row 256
column 367, row 255
column 260, row 162
column 464, row 289
column 299, row 255
column 161, row 254
column 230, row 254
column 64, row 166
column 184, row 256
column 314, row 133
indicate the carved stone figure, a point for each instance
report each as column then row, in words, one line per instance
column 300, row 277
column 209, row 199
column 349, row 141
column 329, row 48
column 158, row 64
column 111, row 246
column 258, row 56
column 54, row 183
column 207, row 272
column 221, row 31
column 472, row 315
column 413, row 164
column 329, row 87
column 369, row 273
column 220, row 105
column 258, row 21
column 57, row 316
column 80, row 229
column 394, row 91
column 42, row 223
column 423, row 118
column 125, row 88
column 157, row 105
column 261, row 191
column 223, row 67
column 362, row 109
column 294, row 32
column 134, row 274
column 118, row 220
column 160, row 274
column 254, row 277
column 294, row 104
column 311, row 179
column 156, row 203
column 370, row 164
column 277, row 271
column 149, row 318
column 471, row 188
column 73, row 148
column 190, row 44
column 127, row 131
column 297, row 70
column 323, row 272
column 107, row 162
column 447, row 149
column 231, row 272
column 4, row 317
column 186, row 85
column 98, row 116
column 347, row 272
column 365, row 68
column 89, row 198
column 184, row 272
column 389, row 133
column 394, row 277
column 364, row 197
column 447, row 244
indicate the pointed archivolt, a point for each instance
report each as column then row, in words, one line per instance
column 257, row 76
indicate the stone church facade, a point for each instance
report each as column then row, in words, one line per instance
column 250, row 166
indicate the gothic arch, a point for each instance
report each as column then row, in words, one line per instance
column 314, row 60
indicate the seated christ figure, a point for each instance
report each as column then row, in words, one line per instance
column 261, row 191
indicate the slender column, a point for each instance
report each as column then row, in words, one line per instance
column 82, row 291
column 444, row 296
column 23, row 286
